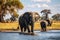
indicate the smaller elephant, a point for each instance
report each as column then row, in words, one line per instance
column 43, row 25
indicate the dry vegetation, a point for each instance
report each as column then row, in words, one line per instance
column 14, row 25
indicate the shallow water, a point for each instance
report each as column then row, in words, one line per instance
column 49, row 35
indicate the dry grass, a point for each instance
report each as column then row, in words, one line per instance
column 55, row 26
column 14, row 25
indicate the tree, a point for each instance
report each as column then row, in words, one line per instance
column 56, row 17
column 46, row 12
column 11, row 6
column 45, row 17
column 13, row 18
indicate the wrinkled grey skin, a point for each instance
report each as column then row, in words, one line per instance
column 25, row 21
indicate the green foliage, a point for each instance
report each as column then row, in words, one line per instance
column 46, row 12
column 10, row 5
column 15, row 14
column 56, row 17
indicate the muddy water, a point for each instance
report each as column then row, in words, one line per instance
column 49, row 35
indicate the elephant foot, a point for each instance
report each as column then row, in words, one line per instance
column 28, row 31
column 21, row 32
column 24, row 29
column 32, row 33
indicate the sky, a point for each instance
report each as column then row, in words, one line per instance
column 39, row 5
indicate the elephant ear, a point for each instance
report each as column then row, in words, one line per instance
column 36, row 16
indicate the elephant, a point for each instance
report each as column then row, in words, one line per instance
column 25, row 20
column 43, row 25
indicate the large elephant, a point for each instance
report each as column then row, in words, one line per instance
column 25, row 20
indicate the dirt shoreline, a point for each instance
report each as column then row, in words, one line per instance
column 12, row 30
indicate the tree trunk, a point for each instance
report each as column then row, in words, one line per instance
column 1, row 18
column 46, row 16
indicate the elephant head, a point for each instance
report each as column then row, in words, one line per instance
column 35, row 16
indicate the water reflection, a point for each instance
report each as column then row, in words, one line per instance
column 39, row 36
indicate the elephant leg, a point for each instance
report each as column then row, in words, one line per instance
column 45, row 29
column 21, row 29
column 42, row 29
column 28, row 29
column 21, row 26
column 24, row 29
column 32, row 28
column 27, row 26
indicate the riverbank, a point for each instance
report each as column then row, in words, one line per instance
column 14, row 26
